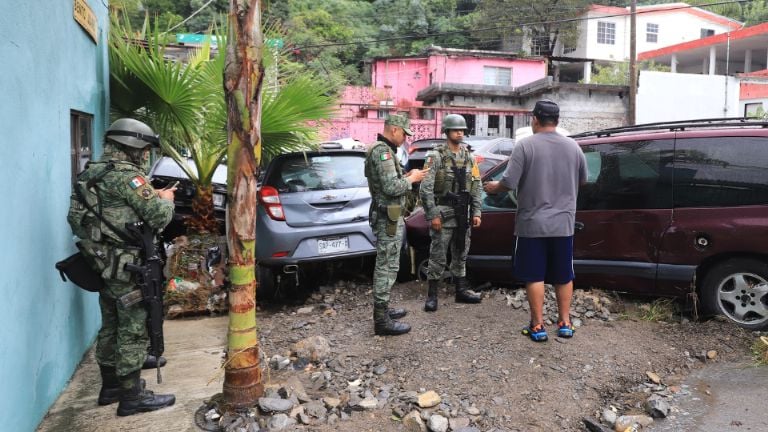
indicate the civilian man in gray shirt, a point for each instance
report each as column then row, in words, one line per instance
column 546, row 170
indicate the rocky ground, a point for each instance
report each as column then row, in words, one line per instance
column 468, row 368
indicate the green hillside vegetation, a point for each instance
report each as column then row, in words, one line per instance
column 333, row 40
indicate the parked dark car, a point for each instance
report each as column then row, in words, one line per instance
column 312, row 213
column 488, row 151
column 165, row 171
column 669, row 209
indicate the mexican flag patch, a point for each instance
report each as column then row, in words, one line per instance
column 137, row 182
column 386, row 156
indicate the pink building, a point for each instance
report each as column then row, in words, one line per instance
column 481, row 85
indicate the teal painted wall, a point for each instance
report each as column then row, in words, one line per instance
column 49, row 66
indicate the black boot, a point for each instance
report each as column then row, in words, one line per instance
column 396, row 313
column 110, row 386
column 431, row 304
column 134, row 399
column 384, row 325
column 464, row 294
column 151, row 362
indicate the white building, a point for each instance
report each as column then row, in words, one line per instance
column 604, row 32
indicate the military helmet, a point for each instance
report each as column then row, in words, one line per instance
column 454, row 121
column 132, row 133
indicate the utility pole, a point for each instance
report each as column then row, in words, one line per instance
column 632, row 63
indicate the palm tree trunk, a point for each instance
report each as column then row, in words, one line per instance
column 203, row 218
column 242, row 84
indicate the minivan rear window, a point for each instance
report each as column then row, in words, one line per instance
column 721, row 171
column 301, row 173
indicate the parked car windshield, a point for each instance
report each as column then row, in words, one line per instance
column 301, row 173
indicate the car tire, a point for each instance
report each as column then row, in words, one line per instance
column 267, row 283
column 738, row 289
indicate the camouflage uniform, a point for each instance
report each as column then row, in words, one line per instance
column 388, row 189
column 124, row 196
column 437, row 183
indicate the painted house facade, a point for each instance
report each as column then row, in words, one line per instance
column 604, row 32
column 55, row 109
column 724, row 75
column 478, row 84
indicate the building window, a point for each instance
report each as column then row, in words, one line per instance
column 493, row 125
column 497, row 76
column 539, row 45
column 707, row 32
column 651, row 33
column 606, row 33
column 427, row 113
column 81, row 138
column 754, row 110
column 382, row 113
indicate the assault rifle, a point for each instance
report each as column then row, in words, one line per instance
column 460, row 202
column 150, row 281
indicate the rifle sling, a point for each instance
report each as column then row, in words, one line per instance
column 120, row 233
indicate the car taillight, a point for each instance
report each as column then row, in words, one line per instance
column 270, row 199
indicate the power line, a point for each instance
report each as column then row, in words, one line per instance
column 515, row 26
column 190, row 17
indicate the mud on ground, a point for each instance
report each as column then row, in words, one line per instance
column 474, row 356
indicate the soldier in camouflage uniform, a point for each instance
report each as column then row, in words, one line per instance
column 388, row 185
column 116, row 187
column 439, row 212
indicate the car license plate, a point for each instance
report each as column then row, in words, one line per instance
column 332, row 245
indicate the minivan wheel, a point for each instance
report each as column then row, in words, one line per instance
column 738, row 289
column 267, row 283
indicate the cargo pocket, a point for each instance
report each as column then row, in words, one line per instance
column 121, row 258
column 394, row 211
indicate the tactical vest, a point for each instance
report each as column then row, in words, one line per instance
column 375, row 185
column 444, row 178
column 84, row 223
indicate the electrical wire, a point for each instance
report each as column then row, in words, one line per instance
column 190, row 17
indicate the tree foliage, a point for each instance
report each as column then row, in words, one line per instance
column 618, row 73
column 546, row 21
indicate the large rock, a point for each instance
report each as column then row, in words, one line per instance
column 280, row 422
column 314, row 348
column 438, row 423
column 270, row 405
column 428, row 399
column 657, row 407
column 414, row 423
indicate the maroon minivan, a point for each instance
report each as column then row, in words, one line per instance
column 668, row 209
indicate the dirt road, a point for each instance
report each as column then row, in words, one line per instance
column 487, row 374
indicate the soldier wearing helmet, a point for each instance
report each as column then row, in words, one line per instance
column 450, row 165
column 116, row 187
column 388, row 185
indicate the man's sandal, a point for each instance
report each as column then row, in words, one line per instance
column 537, row 333
column 565, row 330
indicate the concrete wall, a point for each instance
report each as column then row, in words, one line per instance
column 50, row 66
column 583, row 110
column 664, row 96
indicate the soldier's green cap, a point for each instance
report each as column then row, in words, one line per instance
column 400, row 120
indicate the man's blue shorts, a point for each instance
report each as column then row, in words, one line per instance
column 548, row 259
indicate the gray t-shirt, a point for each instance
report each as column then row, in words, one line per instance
column 546, row 169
